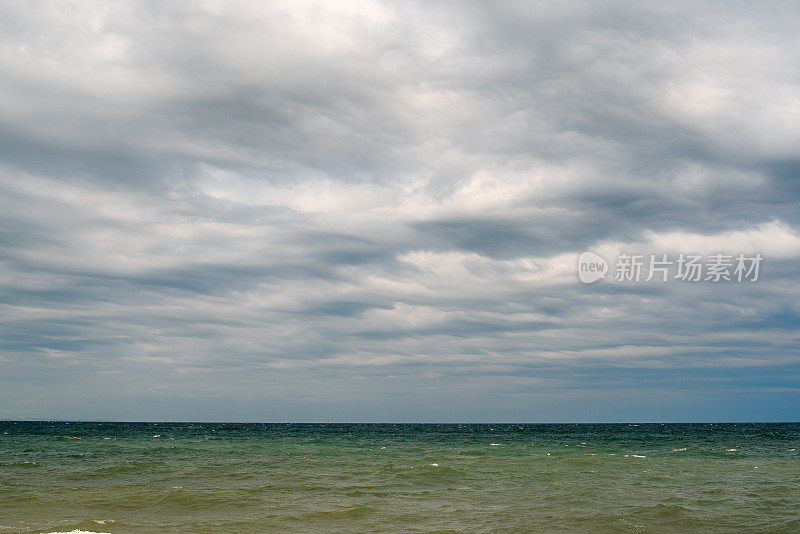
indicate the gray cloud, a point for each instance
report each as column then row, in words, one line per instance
column 373, row 210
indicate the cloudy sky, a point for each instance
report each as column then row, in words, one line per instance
column 372, row 211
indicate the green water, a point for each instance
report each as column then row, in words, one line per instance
column 182, row 477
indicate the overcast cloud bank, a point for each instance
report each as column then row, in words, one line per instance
column 372, row 211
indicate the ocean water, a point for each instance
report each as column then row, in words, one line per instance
column 214, row 477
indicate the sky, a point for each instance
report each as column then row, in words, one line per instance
column 373, row 211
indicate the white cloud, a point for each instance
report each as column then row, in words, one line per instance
column 285, row 198
column 773, row 239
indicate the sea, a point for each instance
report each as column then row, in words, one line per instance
column 443, row 478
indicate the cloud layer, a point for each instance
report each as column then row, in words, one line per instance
column 373, row 211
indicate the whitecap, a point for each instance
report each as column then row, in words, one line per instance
column 434, row 465
column 679, row 450
column 495, row 444
column 638, row 456
column 731, row 450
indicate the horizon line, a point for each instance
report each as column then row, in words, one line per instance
column 189, row 421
